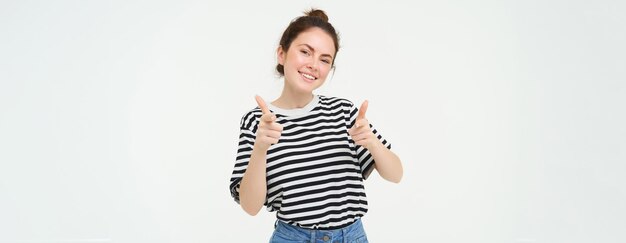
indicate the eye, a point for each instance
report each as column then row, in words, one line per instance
column 326, row 61
column 305, row 52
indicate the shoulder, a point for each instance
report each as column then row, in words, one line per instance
column 250, row 118
column 336, row 101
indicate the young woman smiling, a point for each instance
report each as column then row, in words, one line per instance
column 305, row 155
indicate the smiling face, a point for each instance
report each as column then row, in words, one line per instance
column 308, row 60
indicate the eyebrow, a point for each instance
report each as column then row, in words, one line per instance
column 313, row 49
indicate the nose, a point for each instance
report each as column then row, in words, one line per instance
column 313, row 65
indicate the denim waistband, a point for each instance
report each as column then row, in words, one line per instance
column 285, row 231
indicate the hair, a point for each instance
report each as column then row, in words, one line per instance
column 312, row 18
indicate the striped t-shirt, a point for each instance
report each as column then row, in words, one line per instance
column 315, row 172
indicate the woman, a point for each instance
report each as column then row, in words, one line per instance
column 305, row 155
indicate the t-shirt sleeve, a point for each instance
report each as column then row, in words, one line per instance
column 365, row 159
column 244, row 150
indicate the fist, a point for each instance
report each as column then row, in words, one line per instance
column 269, row 130
column 361, row 132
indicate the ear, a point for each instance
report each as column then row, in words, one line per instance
column 280, row 54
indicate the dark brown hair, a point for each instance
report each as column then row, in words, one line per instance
column 312, row 18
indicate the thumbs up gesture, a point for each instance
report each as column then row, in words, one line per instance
column 269, row 130
column 361, row 132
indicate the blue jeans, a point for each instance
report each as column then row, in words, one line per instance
column 286, row 233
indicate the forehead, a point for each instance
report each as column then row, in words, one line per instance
column 318, row 39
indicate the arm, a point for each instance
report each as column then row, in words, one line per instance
column 387, row 163
column 253, row 186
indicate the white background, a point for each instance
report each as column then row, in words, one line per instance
column 119, row 119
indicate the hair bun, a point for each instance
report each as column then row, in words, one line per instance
column 317, row 13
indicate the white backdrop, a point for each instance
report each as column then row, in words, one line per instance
column 119, row 119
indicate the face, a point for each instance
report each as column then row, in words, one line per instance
column 308, row 60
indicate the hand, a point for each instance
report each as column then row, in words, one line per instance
column 361, row 132
column 269, row 130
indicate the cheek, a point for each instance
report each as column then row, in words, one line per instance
column 324, row 71
column 294, row 64
column 295, row 58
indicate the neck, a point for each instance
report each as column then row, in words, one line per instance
column 290, row 99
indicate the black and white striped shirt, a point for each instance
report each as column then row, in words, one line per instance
column 315, row 172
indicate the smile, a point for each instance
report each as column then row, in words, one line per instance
column 308, row 77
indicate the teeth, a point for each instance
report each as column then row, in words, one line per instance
column 308, row 76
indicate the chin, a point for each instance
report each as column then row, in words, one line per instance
column 302, row 86
column 308, row 88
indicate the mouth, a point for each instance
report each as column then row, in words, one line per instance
column 307, row 77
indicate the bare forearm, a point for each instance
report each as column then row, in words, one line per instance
column 387, row 163
column 253, row 189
